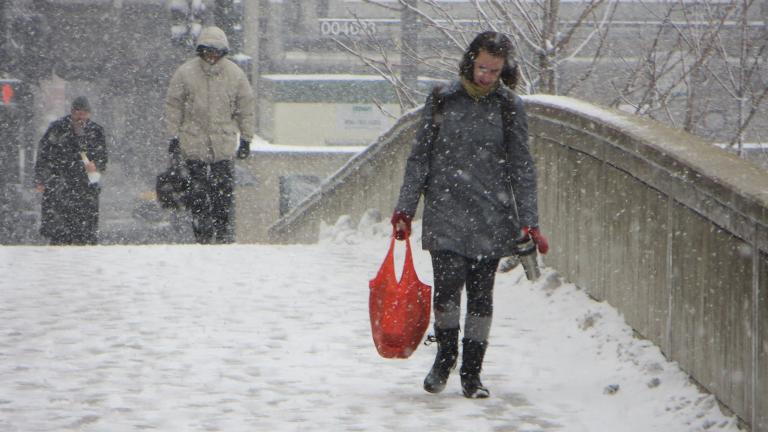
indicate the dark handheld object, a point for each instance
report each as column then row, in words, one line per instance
column 174, row 147
column 172, row 188
column 244, row 149
column 172, row 185
column 526, row 251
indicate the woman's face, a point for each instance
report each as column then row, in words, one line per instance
column 487, row 69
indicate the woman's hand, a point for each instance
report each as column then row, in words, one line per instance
column 541, row 241
column 401, row 222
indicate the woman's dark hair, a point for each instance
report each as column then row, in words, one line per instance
column 497, row 45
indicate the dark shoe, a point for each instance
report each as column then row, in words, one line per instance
column 471, row 365
column 445, row 360
column 437, row 378
column 473, row 388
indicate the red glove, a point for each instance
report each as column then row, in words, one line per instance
column 401, row 223
column 538, row 238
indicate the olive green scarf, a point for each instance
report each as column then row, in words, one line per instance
column 475, row 91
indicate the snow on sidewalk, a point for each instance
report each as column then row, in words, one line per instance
column 252, row 338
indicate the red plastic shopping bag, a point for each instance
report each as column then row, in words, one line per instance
column 399, row 310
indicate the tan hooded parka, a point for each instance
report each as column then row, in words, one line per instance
column 207, row 105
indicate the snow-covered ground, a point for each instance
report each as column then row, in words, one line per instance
column 277, row 338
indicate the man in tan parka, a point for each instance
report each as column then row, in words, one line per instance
column 210, row 102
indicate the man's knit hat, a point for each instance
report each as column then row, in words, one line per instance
column 81, row 104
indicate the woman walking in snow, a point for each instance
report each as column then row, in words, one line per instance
column 471, row 162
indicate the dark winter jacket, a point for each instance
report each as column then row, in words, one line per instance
column 70, row 207
column 478, row 179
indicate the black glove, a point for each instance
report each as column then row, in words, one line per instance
column 174, row 147
column 244, row 150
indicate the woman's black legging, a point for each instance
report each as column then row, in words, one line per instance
column 451, row 272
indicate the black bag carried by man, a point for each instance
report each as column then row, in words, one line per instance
column 172, row 186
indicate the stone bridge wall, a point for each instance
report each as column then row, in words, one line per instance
column 670, row 230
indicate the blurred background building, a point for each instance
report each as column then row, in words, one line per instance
column 327, row 73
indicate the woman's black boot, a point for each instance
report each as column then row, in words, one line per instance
column 445, row 360
column 471, row 364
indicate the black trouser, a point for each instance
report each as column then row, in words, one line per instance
column 211, row 200
column 70, row 216
column 451, row 272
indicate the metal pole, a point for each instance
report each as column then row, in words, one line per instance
column 251, row 34
column 409, row 42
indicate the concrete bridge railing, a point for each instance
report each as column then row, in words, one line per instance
column 670, row 230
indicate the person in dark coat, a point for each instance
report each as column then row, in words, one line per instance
column 471, row 162
column 71, row 156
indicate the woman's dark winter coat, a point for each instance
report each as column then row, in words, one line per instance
column 475, row 171
column 70, row 207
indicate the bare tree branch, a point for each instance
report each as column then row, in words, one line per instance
column 382, row 5
column 673, row 79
